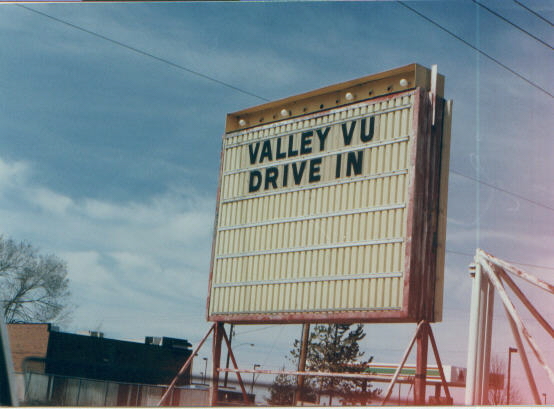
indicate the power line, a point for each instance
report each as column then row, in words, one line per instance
column 181, row 67
column 256, row 330
column 513, row 24
column 460, row 253
column 496, row 61
column 503, row 190
column 144, row 53
column 533, row 12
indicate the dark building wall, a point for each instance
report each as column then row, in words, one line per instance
column 108, row 359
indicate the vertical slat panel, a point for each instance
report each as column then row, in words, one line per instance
column 332, row 225
column 386, row 293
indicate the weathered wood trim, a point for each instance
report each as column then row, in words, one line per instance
column 215, row 227
column 347, row 317
column 442, row 212
column 333, row 96
column 434, row 167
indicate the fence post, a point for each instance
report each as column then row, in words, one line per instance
column 78, row 393
column 106, row 393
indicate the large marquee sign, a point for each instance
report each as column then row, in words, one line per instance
column 331, row 205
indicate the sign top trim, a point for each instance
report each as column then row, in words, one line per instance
column 345, row 93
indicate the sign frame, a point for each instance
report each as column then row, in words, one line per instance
column 427, row 189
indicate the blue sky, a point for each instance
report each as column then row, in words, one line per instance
column 110, row 158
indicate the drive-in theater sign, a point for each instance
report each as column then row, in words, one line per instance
column 331, row 205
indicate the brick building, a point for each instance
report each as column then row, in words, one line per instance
column 54, row 360
column 29, row 344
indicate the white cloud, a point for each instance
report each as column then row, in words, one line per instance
column 12, row 172
column 133, row 259
column 49, row 201
column 85, row 268
column 183, row 42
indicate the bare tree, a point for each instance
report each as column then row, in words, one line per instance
column 498, row 395
column 33, row 287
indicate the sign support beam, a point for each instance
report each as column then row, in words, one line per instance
column 185, row 366
column 216, row 358
column 423, row 331
column 232, row 356
column 302, row 362
column 420, row 383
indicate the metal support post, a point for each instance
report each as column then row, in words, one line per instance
column 226, row 376
column 185, row 366
column 216, row 359
column 437, row 393
column 420, row 382
column 439, row 364
column 256, row 366
column 401, row 365
column 205, row 375
column 232, row 356
column 480, row 336
column 481, row 323
column 473, row 337
column 524, row 360
column 302, row 362
column 488, row 309
column 510, row 351
column 518, row 329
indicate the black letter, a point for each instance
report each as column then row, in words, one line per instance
column 266, row 151
column 291, row 151
column 337, row 169
column 297, row 173
column 353, row 163
column 271, row 177
column 367, row 137
column 253, row 154
column 279, row 154
column 322, row 137
column 285, row 175
column 314, row 170
column 306, row 142
column 253, row 186
column 347, row 134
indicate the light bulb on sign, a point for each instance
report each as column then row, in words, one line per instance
column 284, row 112
column 403, row 82
column 242, row 122
column 349, row 96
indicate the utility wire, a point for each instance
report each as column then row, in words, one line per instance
column 503, row 190
column 136, row 50
column 513, row 24
column 181, row 67
column 520, row 76
column 533, row 12
column 144, row 53
column 256, row 330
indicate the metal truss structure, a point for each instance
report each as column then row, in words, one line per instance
column 490, row 275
